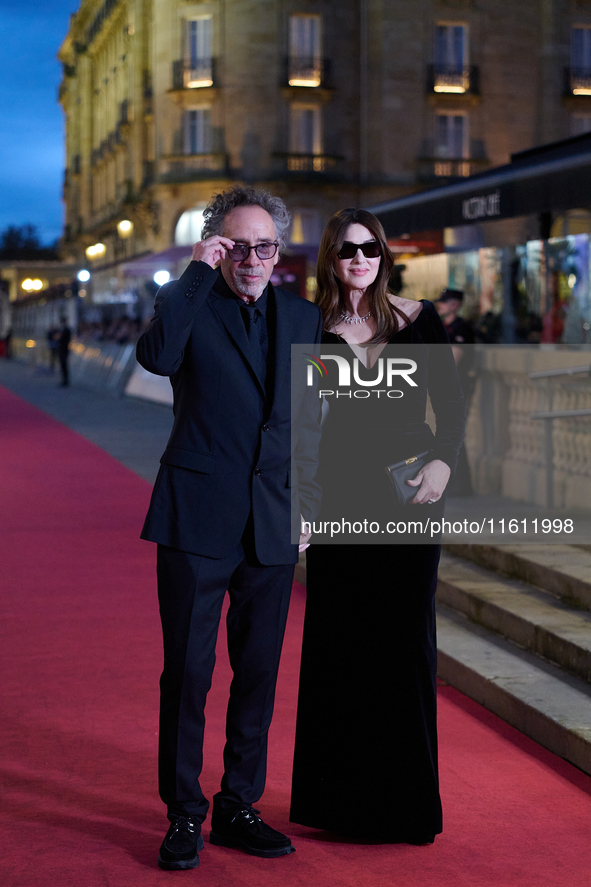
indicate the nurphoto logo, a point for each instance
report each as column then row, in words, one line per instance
column 385, row 372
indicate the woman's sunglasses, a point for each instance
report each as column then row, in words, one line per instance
column 371, row 249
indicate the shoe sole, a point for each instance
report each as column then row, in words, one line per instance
column 182, row 864
column 222, row 841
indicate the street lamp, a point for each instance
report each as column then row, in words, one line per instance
column 125, row 228
column 96, row 251
column 32, row 285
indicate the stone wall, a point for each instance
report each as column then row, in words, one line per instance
column 508, row 447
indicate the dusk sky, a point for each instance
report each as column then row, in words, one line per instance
column 31, row 120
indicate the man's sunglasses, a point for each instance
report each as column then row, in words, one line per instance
column 241, row 251
column 370, row 250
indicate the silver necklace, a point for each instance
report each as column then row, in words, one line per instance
column 348, row 318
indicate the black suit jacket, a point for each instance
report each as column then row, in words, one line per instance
column 230, row 449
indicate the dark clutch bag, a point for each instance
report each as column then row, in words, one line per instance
column 407, row 469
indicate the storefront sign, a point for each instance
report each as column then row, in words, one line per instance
column 482, row 206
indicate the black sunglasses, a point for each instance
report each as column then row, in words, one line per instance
column 371, row 249
column 264, row 250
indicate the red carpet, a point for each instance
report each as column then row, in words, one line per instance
column 81, row 656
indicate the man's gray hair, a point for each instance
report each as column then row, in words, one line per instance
column 216, row 211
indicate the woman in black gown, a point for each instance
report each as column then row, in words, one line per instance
column 365, row 763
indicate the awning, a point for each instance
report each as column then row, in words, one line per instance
column 549, row 179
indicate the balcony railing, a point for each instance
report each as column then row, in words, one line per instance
column 454, row 168
column 185, row 167
column 194, row 73
column 450, row 168
column 454, row 80
column 306, row 164
column 577, row 81
column 306, row 71
column 433, row 164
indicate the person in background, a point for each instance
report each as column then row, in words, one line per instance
column 459, row 331
column 461, row 336
column 6, row 344
column 64, row 337
column 52, row 344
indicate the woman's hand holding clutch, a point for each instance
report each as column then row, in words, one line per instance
column 431, row 480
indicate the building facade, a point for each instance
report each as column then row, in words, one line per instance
column 327, row 105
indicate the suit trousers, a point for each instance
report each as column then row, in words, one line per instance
column 191, row 591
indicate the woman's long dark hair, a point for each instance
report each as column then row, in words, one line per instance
column 329, row 296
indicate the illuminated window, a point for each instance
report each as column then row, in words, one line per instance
column 198, row 52
column 580, row 55
column 305, row 62
column 197, row 131
column 451, row 58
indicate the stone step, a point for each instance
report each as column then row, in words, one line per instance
column 562, row 570
column 530, row 618
column 536, row 697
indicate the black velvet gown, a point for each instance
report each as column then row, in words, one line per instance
column 365, row 763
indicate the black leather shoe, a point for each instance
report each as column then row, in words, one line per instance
column 246, row 830
column 180, row 848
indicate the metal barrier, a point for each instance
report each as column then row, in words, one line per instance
column 102, row 366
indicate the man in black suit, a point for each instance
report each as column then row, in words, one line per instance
column 221, row 510
column 460, row 334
